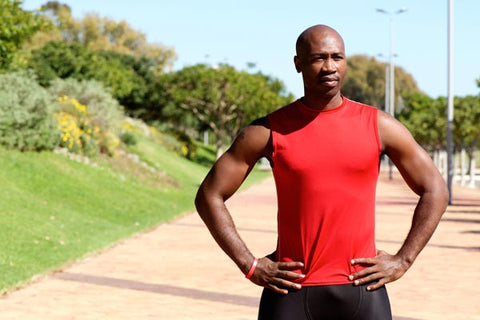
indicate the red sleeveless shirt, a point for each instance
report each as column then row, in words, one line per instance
column 325, row 165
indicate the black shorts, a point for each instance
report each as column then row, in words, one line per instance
column 332, row 302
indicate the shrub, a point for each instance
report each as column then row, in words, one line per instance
column 128, row 138
column 26, row 113
column 174, row 140
column 105, row 112
column 78, row 135
column 131, row 129
column 102, row 113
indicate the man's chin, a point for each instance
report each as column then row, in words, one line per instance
column 330, row 91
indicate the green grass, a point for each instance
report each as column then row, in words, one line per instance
column 55, row 210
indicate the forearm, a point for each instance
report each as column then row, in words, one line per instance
column 427, row 215
column 219, row 222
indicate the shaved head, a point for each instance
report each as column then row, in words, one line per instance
column 315, row 33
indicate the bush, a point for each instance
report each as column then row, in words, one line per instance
column 128, row 138
column 102, row 112
column 78, row 135
column 174, row 140
column 26, row 114
column 131, row 129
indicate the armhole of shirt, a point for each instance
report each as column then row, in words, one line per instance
column 272, row 137
column 377, row 134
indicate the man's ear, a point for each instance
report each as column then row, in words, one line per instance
column 296, row 61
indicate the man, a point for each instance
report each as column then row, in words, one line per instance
column 324, row 150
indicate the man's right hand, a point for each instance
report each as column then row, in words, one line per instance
column 277, row 276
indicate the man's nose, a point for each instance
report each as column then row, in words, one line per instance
column 329, row 65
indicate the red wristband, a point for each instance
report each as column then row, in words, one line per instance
column 252, row 269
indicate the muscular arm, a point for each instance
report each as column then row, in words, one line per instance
column 225, row 177
column 421, row 175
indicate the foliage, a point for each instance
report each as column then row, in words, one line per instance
column 467, row 120
column 103, row 108
column 426, row 119
column 78, row 135
column 139, row 76
column 365, row 81
column 467, row 123
column 99, row 124
column 100, row 33
column 130, row 79
column 73, row 60
column 26, row 114
column 16, row 26
column 220, row 99
column 128, row 138
column 58, row 59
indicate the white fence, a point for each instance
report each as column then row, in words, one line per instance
column 461, row 176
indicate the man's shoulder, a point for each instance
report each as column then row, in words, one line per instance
column 283, row 113
column 286, row 108
column 262, row 122
column 360, row 104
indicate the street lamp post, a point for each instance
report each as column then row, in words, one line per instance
column 450, row 109
column 387, row 83
column 391, row 86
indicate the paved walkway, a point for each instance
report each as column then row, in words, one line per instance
column 176, row 271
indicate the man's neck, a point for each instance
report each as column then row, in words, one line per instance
column 322, row 102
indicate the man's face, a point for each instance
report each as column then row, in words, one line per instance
column 322, row 62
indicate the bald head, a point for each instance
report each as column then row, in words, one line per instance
column 314, row 34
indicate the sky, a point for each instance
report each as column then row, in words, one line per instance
column 238, row 32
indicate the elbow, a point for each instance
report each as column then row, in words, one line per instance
column 199, row 200
column 203, row 203
column 443, row 194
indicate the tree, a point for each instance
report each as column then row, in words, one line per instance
column 221, row 99
column 62, row 60
column 365, row 81
column 125, row 75
column 426, row 119
column 142, row 80
column 16, row 27
column 467, row 124
column 100, row 33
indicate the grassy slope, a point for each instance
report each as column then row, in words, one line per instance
column 55, row 210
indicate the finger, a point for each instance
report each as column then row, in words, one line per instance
column 277, row 289
column 363, row 273
column 376, row 285
column 289, row 275
column 287, row 284
column 290, row 265
column 368, row 261
column 367, row 279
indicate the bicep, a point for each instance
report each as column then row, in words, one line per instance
column 235, row 164
column 413, row 162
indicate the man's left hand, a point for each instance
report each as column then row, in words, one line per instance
column 382, row 269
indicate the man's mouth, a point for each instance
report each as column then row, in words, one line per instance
column 329, row 81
